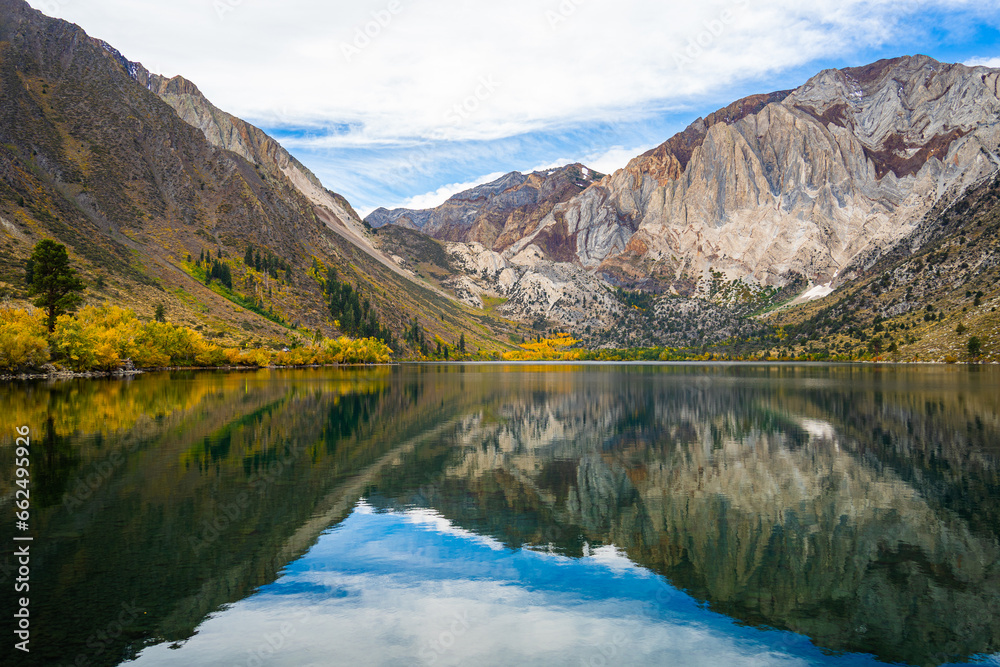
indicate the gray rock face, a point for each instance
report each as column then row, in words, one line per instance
column 841, row 168
column 533, row 288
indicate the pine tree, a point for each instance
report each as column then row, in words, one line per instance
column 974, row 346
column 54, row 281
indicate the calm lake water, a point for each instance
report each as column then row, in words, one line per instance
column 511, row 515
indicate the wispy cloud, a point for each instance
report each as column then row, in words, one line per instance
column 373, row 76
column 383, row 70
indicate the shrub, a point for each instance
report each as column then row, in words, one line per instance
column 23, row 342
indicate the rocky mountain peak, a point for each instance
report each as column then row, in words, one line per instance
column 814, row 182
column 668, row 161
column 904, row 111
column 494, row 214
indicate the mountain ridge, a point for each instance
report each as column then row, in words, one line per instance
column 93, row 157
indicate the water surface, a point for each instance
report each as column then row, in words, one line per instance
column 514, row 514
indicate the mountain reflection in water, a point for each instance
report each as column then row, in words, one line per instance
column 637, row 514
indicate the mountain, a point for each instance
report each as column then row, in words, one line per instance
column 141, row 177
column 818, row 181
column 236, row 135
column 495, row 214
column 802, row 191
column 775, row 200
column 923, row 300
column 478, row 225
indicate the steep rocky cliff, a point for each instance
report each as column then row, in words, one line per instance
column 234, row 134
column 806, row 182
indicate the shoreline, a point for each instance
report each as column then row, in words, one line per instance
column 122, row 373
column 53, row 375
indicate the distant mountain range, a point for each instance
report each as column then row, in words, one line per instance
column 782, row 197
column 498, row 214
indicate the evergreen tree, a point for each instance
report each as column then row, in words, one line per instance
column 975, row 346
column 53, row 280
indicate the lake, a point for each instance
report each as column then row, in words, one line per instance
column 502, row 514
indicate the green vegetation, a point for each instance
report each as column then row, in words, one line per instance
column 217, row 276
column 355, row 315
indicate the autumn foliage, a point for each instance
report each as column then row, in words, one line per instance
column 547, row 349
column 107, row 337
column 23, row 342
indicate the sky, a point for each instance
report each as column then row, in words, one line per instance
column 405, row 102
column 413, row 588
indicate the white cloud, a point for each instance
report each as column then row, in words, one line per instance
column 398, row 96
column 475, row 69
column 398, row 589
column 613, row 159
column 605, row 161
column 983, row 62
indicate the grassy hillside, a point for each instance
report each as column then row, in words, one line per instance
column 922, row 302
column 93, row 159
